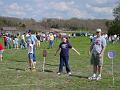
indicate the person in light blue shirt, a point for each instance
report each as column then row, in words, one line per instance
column 32, row 38
column 97, row 49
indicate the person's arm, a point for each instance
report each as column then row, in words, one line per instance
column 91, row 47
column 75, row 50
column 103, row 47
column 102, row 52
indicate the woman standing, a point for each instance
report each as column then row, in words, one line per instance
column 64, row 55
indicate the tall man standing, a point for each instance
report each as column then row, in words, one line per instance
column 97, row 49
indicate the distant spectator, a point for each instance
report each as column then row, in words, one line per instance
column 1, row 51
column 22, row 42
column 91, row 38
column 51, row 40
column 5, row 41
column 8, row 41
column 38, row 39
column 16, row 43
column 74, row 35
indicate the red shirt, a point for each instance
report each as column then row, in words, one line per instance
column 1, row 47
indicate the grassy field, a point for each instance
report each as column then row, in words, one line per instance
column 14, row 76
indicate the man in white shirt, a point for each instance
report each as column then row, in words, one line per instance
column 97, row 49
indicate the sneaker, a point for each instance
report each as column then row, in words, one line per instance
column 58, row 73
column 69, row 73
column 98, row 78
column 92, row 77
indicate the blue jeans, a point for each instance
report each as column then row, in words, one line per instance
column 8, row 45
column 64, row 60
column 23, row 44
column 51, row 44
column 34, row 54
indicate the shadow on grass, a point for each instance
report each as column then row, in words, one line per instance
column 48, row 71
column 17, row 69
column 20, row 61
column 50, row 65
column 79, row 76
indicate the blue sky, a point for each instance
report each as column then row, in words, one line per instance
column 65, row 9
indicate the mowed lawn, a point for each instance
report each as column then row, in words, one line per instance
column 15, row 76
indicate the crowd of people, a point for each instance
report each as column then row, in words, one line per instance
column 20, row 40
column 30, row 40
column 109, row 38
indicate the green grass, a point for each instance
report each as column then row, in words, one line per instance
column 14, row 76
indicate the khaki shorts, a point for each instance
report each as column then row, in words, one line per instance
column 96, row 60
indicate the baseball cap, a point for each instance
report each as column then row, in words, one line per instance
column 98, row 30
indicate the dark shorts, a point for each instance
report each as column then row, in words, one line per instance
column 96, row 60
column 30, row 56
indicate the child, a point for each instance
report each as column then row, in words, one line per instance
column 30, row 55
column 16, row 42
column 64, row 55
column 1, row 51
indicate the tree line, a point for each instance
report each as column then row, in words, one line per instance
column 72, row 24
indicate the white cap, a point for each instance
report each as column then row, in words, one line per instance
column 98, row 30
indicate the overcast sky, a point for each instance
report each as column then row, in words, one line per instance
column 38, row 9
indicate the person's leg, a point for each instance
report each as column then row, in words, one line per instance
column 34, row 55
column 1, row 57
column 94, row 70
column 93, row 62
column 39, row 43
column 99, row 70
column 17, row 47
column 24, row 44
column 51, row 43
column 100, row 64
column 29, row 62
column 66, row 59
column 5, row 44
column 61, row 65
column 8, row 45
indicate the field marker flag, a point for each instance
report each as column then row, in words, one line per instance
column 44, row 56
column 111, row 55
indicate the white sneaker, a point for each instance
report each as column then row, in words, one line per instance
column 58, row 73
column 98, row 78
column 93, row 77
column 69, row 73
